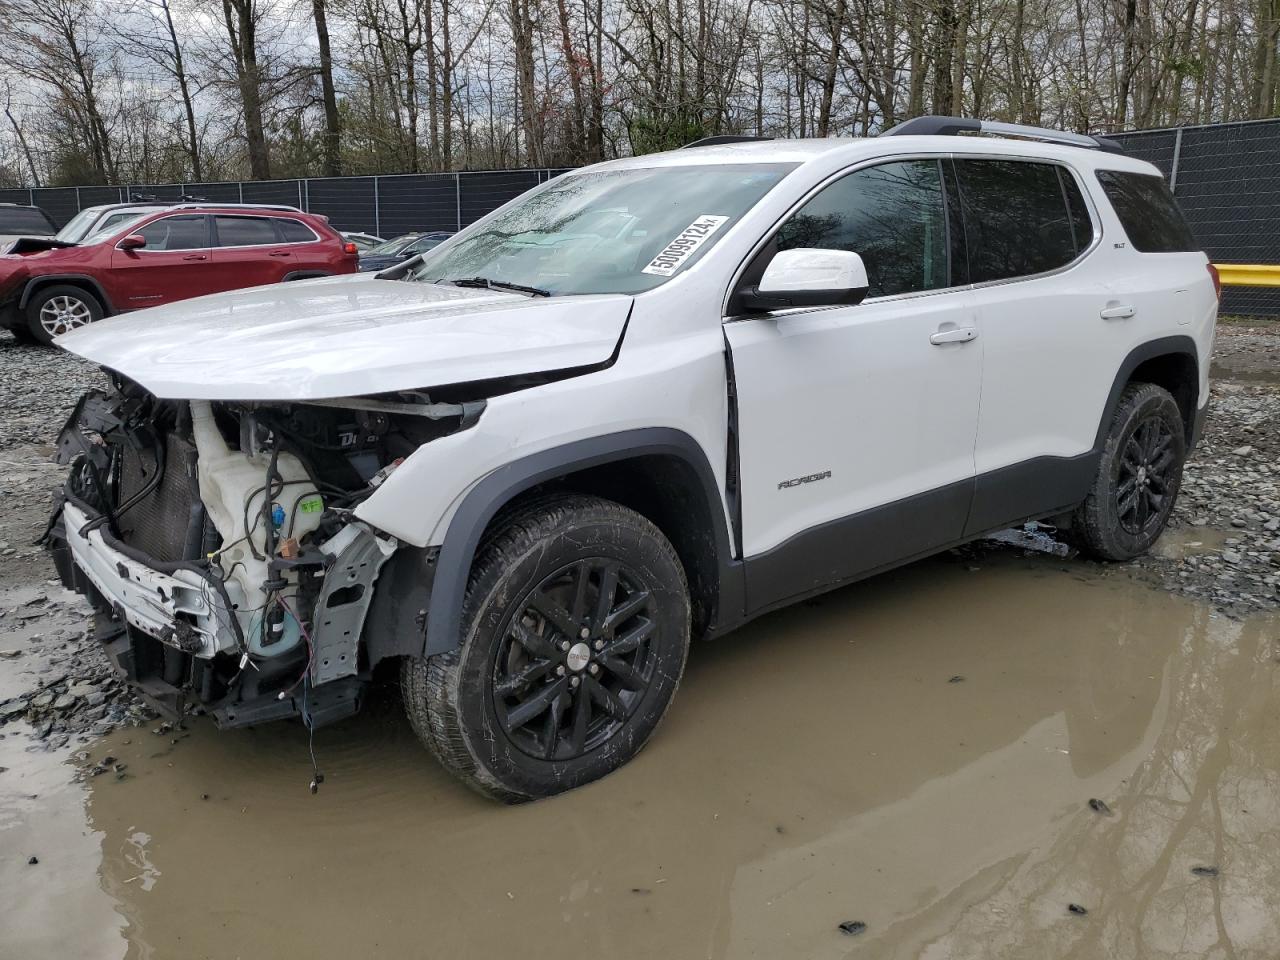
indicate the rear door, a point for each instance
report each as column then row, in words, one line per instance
column 248, row 251
column 1055, row 324
column 174, row 265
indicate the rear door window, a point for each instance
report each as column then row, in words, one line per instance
column 1016, row 219
column 245, row 231
column 189, row 232
column 1147, row 211
column 892, row 215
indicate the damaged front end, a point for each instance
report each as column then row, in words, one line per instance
column 218, row 545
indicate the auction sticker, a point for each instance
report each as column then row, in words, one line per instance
column 675, row 253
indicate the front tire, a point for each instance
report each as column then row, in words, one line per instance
column 575, row 634
column 1138, row 479
column 53, row 311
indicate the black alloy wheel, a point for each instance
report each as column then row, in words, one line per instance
column 575, row 630
column 1146, row 475
column 1137, row 478
column 575, row 661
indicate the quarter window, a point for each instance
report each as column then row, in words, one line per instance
column 245, row 231
column 294, row 231
column 892, row 215
column 1016, row 219
column 1148, row 212
column 177, row 233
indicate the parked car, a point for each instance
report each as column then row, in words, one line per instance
column 390, row 252
column 161, row 257
column 645, row 402
column 364, row 241
column 19, row 221
column 95, row 219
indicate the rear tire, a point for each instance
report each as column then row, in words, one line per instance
column 575, row 633
column 1138, row 479
column 53, row 311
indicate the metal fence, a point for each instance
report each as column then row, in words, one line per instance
column 384, row 206
column 1226, row 177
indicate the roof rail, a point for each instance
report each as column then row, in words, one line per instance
column 714, row 141
column 952, row 126
column 278, row 207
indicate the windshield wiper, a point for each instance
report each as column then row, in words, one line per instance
column 487, row 284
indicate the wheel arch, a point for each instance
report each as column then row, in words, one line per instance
column 661, row 473
column 35, row 284
column 1169, row 362
column 304, row 275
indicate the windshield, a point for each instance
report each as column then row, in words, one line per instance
column 393, row 246
column 614, row 231
column 78, row 225
column 111, row 226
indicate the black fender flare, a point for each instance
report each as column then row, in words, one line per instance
column 80, row 279
column 1160, row 347
column 486, row 498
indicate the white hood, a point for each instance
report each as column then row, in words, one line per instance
column 348, row 336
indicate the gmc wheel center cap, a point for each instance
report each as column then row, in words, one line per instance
column 578, row 657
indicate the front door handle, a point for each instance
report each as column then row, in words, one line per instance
column 954, row 335
column 195, row 256
column 1117, row 311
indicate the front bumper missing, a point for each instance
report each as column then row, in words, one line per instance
column 181, row 608
column 188, row 619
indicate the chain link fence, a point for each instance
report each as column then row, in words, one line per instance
column 383, row 206
column 1226, row 177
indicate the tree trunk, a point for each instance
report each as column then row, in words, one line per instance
column 240, row 18
column 332, row 122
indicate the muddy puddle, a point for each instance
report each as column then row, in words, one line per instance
column 915, row 754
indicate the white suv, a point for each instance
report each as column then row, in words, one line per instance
column 647, row 401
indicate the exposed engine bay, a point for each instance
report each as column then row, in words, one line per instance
column 218, row 545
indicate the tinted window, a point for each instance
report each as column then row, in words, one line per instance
column 26, row 220
column 177, row 233
column 114, row 220
column 426, row 243
column 245, row 231
column 1147, row 211
column 294, row 231
column 1081, row 222
column 1015, row 218
column 893, row 216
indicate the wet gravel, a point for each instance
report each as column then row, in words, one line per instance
column 1223, row 545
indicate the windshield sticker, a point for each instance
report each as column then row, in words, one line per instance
column 675, row 253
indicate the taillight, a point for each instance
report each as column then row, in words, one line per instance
column 350, row 247
column 1217, row 280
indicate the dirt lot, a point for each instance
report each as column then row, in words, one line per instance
column 913, row 757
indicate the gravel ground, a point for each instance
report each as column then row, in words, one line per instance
column 1223, row 544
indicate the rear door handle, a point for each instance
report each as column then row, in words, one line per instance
column 195, row 256
column 279, row 253
column 1119, row 311
column 954, row 335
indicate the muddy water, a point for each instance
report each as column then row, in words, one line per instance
column 820, row 766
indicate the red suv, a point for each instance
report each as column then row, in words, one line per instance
column 49, row 288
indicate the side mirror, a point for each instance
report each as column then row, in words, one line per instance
column 809, row 277
column 134, row 241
